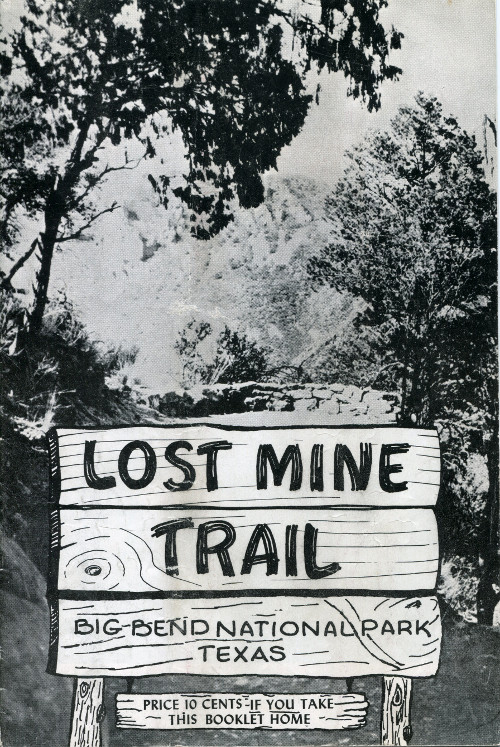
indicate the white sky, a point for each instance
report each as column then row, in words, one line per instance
column 448, row 51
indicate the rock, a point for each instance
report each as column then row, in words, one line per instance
column 340, row 402
column 36, row 706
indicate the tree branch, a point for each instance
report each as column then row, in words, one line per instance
column 127, row 166
column 6, row 281
column 78, row 233
column 292, row 21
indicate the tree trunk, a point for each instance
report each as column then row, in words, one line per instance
column 53, row 214
column 56, row 207
column 403, row 415
column 415, row 410
column 487, row 593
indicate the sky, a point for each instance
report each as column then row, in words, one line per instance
column 448, row 50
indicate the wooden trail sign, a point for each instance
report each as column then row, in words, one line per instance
column 205, row 549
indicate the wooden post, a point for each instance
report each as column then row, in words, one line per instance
column 396, row 701
column 88, row 713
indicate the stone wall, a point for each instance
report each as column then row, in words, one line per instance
column 335, row 403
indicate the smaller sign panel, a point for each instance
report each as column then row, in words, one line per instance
column 241, row 711
column 279, row 635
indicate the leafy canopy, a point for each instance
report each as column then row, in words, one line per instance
column 415, row 218
column 228, row 75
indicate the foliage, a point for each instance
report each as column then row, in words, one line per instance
column 417, row 242
column 458, row 586
column 227, row 358
column 82, row 76
column 58, row 378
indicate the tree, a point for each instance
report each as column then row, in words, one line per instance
column 417, row 242
column 228, row 358
column 82, row 77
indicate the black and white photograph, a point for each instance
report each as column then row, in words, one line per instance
column 249, row 363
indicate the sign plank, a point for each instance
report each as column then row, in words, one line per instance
column 196, row 465
column 241, row 711
column 307, row 636
column 125, row 550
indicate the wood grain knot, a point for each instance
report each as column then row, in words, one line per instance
column 93, row 570
column 398, row 696
column 98, row 568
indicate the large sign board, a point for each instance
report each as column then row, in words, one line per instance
column 207, row 549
